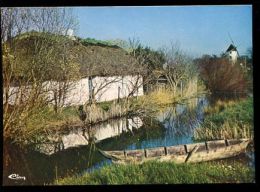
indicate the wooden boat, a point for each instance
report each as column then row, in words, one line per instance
column 189, row 153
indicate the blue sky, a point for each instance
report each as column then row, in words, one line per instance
column 197, row 29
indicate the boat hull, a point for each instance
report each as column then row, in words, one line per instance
column 190, row 153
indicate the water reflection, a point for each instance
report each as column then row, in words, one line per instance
column 177, row 124
column 74, row 155
column 80, row 136
column 181, row 120
column 71, row 153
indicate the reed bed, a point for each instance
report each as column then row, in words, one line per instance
column 162, row 97
column 229, row 130
column 234, row 121
column 95, row 113
column 219, row 106
column 190, row 89
column 159, row 97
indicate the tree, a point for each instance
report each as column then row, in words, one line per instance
column 148, row 60
column 28, row 55
column 179, row 67
column 220, row 76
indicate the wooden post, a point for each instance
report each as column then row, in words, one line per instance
column 206, row 145
column 145, row 153
column 226, row 142
column 165, row 151
column 185, row 147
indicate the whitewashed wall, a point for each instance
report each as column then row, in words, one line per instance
column 78, row 94
column 123, row 85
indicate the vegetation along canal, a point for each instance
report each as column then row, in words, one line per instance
column 172, row 125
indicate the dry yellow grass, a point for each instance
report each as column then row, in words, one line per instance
column 191, row 89
column 157, row 98
column 225, row 131
column 219, row 106
column 95, row 113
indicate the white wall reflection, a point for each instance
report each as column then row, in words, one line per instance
column 79, row 137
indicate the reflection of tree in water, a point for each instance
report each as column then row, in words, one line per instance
column 91, row 142
column 182, row 119
column 151, row 129
column 174, row 123
column 88, row 132
column 124, row 134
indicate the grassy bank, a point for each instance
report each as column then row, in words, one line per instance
column 165, row 173
column 232, row 119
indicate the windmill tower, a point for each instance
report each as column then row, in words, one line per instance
column 69, row 33
column 232, row 52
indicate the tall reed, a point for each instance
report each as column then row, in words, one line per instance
column 227, row 120
column 95, row 113
column 228, row 130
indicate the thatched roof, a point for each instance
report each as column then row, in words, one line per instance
column 106, row 61
column 93, row 59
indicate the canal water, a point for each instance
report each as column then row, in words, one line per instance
column 73, row 154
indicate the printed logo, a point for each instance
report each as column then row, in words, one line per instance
column 16, row 177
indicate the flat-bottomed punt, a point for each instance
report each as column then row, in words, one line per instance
column 189, row 153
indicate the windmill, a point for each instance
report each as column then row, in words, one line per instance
column 232, row 52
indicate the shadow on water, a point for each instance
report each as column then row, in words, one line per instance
column 172, row 125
